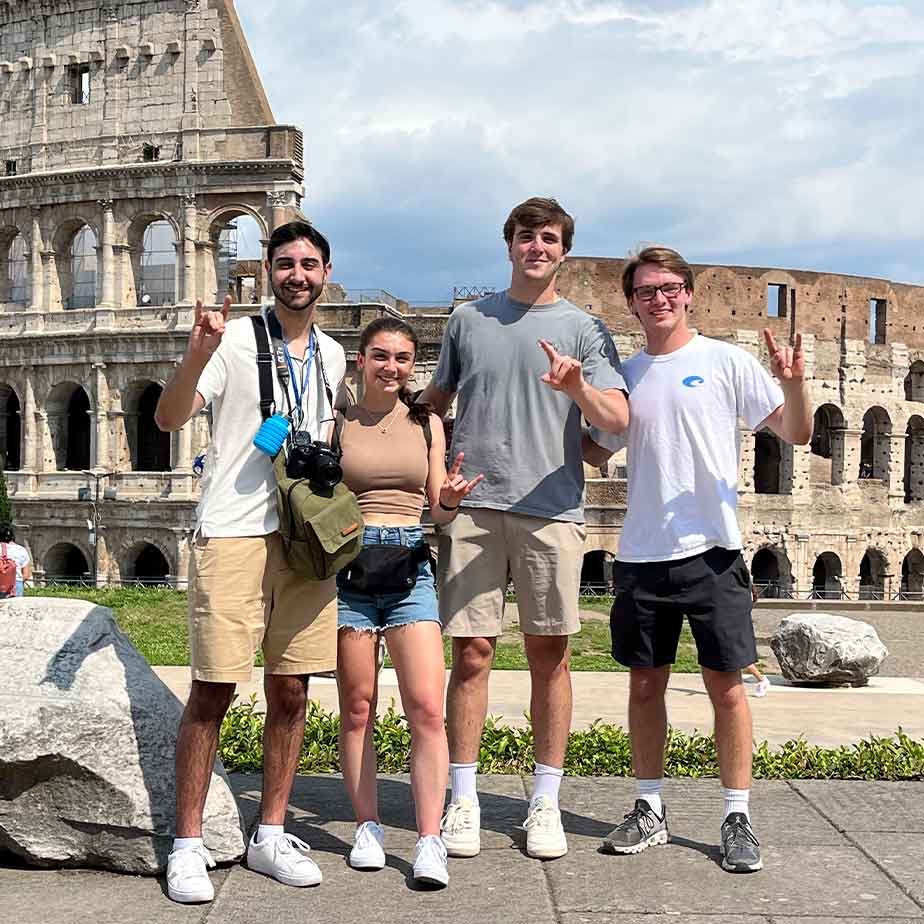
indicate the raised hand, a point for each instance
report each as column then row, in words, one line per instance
column 455, row 488
column 787, row 363
column 565, row 372
column 207, row 330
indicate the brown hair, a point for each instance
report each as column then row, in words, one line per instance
column 536, row 213
column 664, row 257
column 419, row 413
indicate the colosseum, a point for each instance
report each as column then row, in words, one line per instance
column 142, row 169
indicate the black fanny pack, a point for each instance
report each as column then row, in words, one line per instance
column 385, row 569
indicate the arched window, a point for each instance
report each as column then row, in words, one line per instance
column 875, row 446
column 597, row 572
column 914, row 460
column 66, row 564
column 827, row 443
column 238, row 250
column 148, row 566
column 873, row 570
column 153, row 445
column 771, row 573
column 17, row 275
column 10, row 429
column 156, row 284
column 913, row 575
column 914, row 382
column 827, row 583
column 77, row 453
column 80, row 288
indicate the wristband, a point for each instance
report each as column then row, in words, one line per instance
column 448, row 509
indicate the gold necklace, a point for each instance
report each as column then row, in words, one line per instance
column 379, row 424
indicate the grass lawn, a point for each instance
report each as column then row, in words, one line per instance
column 155, row 621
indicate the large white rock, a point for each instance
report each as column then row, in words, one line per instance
column 87, row 735
column 827, row 649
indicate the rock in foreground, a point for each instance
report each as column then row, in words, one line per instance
column 822, row 648
column 87, row 736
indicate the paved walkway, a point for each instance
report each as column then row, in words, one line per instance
column 834, row 852
column 827, row 717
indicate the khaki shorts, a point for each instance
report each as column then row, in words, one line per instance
column 243, row 596
column 544, row 557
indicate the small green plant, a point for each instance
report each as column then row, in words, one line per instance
column 601, row 750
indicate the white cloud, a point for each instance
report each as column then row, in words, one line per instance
column 748, row 130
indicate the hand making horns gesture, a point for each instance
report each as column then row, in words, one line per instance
column 208, row 329
column 787, row 363
column 455, row 488
column 565, row 372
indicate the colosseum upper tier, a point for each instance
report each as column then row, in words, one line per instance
column 135, row 137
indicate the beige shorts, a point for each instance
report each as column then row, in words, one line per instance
column 243, row 596
column 544, row 557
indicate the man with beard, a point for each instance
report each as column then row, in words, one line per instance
column 242, row 594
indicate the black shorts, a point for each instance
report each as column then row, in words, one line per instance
column 713, row 590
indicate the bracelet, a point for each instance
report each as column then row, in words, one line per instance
column 448, row 509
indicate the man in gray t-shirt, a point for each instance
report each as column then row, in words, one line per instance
column 526, row 366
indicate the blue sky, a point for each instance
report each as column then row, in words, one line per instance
column 764, row 132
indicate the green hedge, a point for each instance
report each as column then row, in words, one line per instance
column 601, row 750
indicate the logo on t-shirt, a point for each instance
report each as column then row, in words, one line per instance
column 694, row 381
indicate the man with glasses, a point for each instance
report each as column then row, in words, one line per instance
column 680, row 548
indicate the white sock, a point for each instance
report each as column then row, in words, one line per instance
column 265, row 831
column 736, row 800
column 650, row 791
column 463, row 782
column 181, row 843
column 546, row 782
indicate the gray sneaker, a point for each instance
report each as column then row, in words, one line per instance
column 740, row 847
column 640, row 829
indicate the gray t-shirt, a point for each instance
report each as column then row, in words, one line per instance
column 523, row 436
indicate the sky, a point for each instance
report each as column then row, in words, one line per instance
column 781, row 133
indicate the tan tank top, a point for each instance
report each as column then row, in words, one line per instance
column 386, row 471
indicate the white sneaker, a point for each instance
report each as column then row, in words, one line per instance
column 368, row 846
column 763, row 687
column 545, row 837
column 187, row 875
column 284, row 858
column 460, row 828
column 430, row 861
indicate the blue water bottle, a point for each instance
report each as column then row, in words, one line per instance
column 272, row 434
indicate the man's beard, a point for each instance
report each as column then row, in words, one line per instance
column 285, row 297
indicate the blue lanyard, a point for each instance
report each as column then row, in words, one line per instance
column 306, row 379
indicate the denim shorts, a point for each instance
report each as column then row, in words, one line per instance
column 377, row 612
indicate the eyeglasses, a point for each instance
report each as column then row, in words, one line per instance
column 668, row 290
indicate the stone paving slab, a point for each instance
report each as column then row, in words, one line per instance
column 901, row 856
column 606, row 917
column 868, row 805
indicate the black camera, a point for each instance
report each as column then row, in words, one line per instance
column 313, row 460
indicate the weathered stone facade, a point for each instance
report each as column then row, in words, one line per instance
column 115, row 118
column 846, row 512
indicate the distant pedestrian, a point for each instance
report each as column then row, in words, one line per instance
column 19, row 554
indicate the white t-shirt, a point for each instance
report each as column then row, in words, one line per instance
column 683, row 444
column 20, row 555
column 238, row 483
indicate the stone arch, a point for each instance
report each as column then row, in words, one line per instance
column 597, row 571
column 153, row 242
column 827, row 577
column 145, row 563
column 914, row 382
column 66, row 563
column 771, row 572
column 77, row 261
column 773, row 464
column 222, row 270
column 874, row 569
column 10, row 429
column 914, row 460
column 827, row 444
column 14, row 266
column 875, row 445
column 68, row 408
column 148, row 445
column 912, row 587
